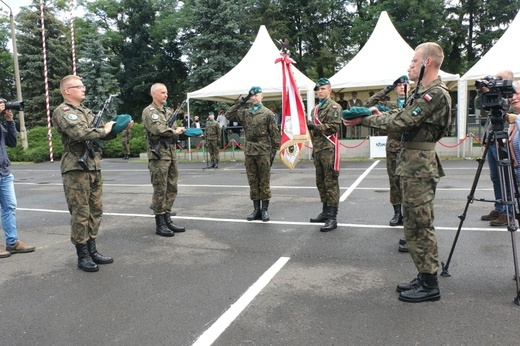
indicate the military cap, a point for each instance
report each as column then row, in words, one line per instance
column 211, row 113
column 193, row 132
column 320, row 82
column 403, row 79
column 122, row 121
column 255, row 90
column 355, row 112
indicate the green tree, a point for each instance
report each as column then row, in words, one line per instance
column 7, row 83
column 215, row 41
column 99, row 77
column 59, row 63
column 143, row 38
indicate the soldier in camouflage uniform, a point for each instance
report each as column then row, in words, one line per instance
column 162, row 159
column 262, row 142
column 392, row 148
column 125, row 143
column 212, row 139
column 83, row 189
column 325, row 126
column 423, row 121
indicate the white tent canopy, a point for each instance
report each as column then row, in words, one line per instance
column 384, row 58
column 502, row 56
column 257, row 68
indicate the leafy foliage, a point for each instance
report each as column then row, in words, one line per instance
column 127, row 45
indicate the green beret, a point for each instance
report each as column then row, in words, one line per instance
column 193, row 132
column 255, row 90
column 320, row 82
column 382, row 108
column 122, row 122
column 403, row 79
column 355, row 112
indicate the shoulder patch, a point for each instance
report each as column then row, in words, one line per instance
column 427, row 97
column 152, row 109
column 416, row 111
column 154, row 116
column 66, row 108
column 72, row 116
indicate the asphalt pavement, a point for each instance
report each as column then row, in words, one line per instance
column 227, row 281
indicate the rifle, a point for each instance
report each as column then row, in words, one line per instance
column 90, row 146
column 157, row 150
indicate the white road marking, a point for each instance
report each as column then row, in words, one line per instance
column 293, row 223
column 357, row 182
column 212, row 333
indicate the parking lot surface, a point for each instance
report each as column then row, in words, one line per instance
column 226, row 281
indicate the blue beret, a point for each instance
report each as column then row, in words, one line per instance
column 320, row 82
column 355, row 112
column 122, row 122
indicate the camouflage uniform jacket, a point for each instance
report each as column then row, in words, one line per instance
column 155, row 121
column 394, row 139
column 422, row 122
column 329, row 116
column 212, row 131
column 73, row 124
column 262, row 135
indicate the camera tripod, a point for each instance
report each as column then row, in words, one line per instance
column 508, row 187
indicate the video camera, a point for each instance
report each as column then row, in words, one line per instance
column 499, row 91
column 17, row 105
column 495, row 99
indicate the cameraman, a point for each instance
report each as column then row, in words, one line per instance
column 514, row 134
column 7, row 195
column 497, row 216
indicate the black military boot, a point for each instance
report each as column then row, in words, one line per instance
column 257, row 213
column 171, row 225
column 95, row 255
column 216, row 164
column 161, row 228
column 331, row 223
column 265, row 213
column 85, row 262
column 426, row 290
column 398, row 216
column 212, row 164
column 409, row 285
column 403, row 247
column 323, row 216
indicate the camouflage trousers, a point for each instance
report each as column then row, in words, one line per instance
column 326, row 177
column 164, row 176
column 83, row 192
column 393, row 179
column 258, row 169
column 126, row 146
column 212, row 147
column 418, row 219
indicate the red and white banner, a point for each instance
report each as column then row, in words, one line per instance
column 294, row 124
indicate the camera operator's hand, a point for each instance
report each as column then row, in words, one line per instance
column 8, row 115
column 2, row 106
column 511, row 118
